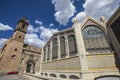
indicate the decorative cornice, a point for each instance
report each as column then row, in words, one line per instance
column 30, row 50
column 20, row 30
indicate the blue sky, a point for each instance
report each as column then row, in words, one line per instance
column 49, row 16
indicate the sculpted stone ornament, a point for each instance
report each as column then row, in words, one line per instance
column 75, row 20
column 103, row 19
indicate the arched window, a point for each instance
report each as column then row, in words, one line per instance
column 54, row 49
column 63, row 76
column 44, row 58
column 48, row 54
column 23, row 25
column 53, row 75
column 73, row 77
column 108, row 77
column 95, row 40
column 63, row 48
column 72, row 45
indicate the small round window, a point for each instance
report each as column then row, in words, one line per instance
column 15, row 49
column 19, row 36
column 13, row 57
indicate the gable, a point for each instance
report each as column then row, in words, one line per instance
column 89, row 21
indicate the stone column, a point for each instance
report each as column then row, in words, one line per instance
column 67, row 46
column 46, row 53
column 80, row 46
column 51, row 50
column 42, row 55
column 59, row 53
column 41, row 60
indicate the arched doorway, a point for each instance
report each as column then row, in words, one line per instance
column 30, row 68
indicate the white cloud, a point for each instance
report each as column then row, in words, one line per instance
column 51, row 25
column 31, row 29
column 80, row 16
column 2, row 41
column 38, row 22
column 64, row 10
column 46, row 33
column 5, row 27
column 38, row 36
column 33, row 39
column 97, row 8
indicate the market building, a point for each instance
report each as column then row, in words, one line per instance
column 82, row 52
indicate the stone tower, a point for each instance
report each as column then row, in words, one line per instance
column 20, row 30
column 12, row 49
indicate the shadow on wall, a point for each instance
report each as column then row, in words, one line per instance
column 117, row 61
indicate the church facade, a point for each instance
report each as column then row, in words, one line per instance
column 15, row 52
column 30, row 59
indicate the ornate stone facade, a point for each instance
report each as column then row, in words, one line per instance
column 30, row 59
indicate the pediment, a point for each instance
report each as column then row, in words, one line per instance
column 90, row 21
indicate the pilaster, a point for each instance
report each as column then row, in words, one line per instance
column 59, row 52
column 67, row 46
column 51, row 51
column 80, row 46
column 46, row 53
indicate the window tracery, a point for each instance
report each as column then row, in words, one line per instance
column 95, row 40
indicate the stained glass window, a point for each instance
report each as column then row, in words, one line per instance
column 95, row 40
column 63, row 48
column 48, row 54
column 44, row 55
column 54, row 49
column 72, row 45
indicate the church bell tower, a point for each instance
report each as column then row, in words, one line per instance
column 11, row 52
column 21, row 30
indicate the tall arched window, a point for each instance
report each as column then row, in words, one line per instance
column 72, row 45
column 95, row 40
column 44, row 56
column 63, row 48
column 48, row 54
column 54, row 49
